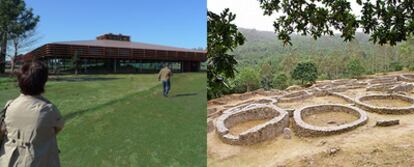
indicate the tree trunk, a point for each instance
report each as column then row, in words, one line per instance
column 13, row 62
column 3, row 52
column 16, row 52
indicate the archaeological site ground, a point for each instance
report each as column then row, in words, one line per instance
column 348, row 122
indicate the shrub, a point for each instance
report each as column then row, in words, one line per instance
column 305, row 72
column 355, row 68
column 396, row 66
column 280, row 82
column 411, row 67
column 247, row 79
column 266, row 76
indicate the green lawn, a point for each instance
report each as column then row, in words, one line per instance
column 123, row 120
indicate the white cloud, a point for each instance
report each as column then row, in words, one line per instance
column 249, row 14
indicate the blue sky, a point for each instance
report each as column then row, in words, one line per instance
column 180, row 23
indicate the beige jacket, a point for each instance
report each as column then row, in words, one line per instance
column 31, row 123
column 165, row 74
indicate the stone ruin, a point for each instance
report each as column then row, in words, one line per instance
column 407, row 77
column 268, row 130
column 262, row 104
column 360, row 102
column 305, row 129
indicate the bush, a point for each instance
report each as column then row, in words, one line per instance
column 396, row 66
column 247, row 79
column 411, row 67
column 305, row 72
column 280, row 82
column 355, row 68
column 323, row 77
column 266, row 76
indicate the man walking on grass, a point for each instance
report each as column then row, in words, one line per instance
column 164, row 76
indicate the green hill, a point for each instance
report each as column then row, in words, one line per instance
column 332, row 57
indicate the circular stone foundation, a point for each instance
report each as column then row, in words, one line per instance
column 278, row 120
column 407, row 77
column 386, row 103
column 303, row 128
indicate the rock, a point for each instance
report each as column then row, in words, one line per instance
column 402, row 93
column 323, row 142
column 332, row 123
column 333, row 150
column 387, row 122
column 403, row 87
column 376, row 150
column 293, row 88
column 287, row 133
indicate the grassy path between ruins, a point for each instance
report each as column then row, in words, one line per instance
column 123, row 120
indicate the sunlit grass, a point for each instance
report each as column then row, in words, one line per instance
column 123, row 120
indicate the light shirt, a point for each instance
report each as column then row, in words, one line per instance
column 165, row 74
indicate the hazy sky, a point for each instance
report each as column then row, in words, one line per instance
column 180, row 23
column 249, row 14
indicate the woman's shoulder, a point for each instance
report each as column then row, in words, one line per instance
column 37, row 102
column 47, row 105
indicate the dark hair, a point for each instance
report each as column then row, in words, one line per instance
column 32, row 78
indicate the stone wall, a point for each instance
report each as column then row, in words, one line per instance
column 406, row 77
column 307, row 130
column 270, row 129
column 381, row 87
column 386, row 110
column 388, row 79
column 294, row 96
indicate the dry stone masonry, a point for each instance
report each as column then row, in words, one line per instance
column 304, row 129
column 386, row 110
column 231, row 110
column 268, row 130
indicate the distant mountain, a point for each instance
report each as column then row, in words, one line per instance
column 262, row 45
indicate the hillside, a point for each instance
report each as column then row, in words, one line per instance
column 264, row 45
column 264, row 62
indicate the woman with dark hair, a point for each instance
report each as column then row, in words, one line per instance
column 32, row 123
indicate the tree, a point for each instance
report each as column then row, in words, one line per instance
column 387, row 21
column 355, row 68
column 222, row 38
column 21, row 43
column 280, row 82
column 305, row 72
column 406, row 51
column 396, row 66
column 75, row 62
column 266, row 76
column 247, row 79
column 15, row 20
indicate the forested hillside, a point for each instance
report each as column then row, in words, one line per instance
column 333, row 58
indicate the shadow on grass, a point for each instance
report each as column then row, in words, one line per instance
column 184, row 94
column 72, row 115
column 80, row 79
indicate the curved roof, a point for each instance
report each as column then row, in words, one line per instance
column 125, row 44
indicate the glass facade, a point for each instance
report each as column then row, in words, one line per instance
column 93, row 65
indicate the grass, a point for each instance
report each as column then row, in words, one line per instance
column 123, row 120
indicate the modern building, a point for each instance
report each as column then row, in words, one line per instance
column 111, row 53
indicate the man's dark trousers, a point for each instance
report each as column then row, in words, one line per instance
column 166, row 87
